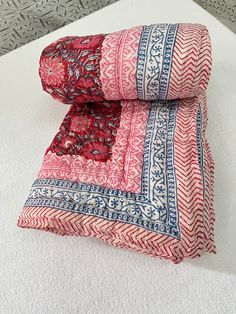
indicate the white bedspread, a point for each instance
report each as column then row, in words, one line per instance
column 44, row 273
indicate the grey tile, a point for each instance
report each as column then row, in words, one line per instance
column 22, row 21
column 223, row 10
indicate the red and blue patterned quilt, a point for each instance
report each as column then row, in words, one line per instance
column 130, row 163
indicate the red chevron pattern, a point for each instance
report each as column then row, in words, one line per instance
column 191, row 62
column 193, row 204
column 209, row 183
column 111, row 232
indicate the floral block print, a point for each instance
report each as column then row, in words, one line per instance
column 70, row 69
column 88, row 130
column 130, row 164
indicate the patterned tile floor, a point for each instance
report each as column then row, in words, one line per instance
column 22, row 21
column 223, row 10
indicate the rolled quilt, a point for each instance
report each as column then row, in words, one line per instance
column 162, row 61
column 130, row 163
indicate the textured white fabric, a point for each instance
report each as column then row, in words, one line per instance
column 44, row 273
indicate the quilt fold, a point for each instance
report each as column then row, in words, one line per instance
column 130, row 163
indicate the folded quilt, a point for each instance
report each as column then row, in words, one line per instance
column 130, row 163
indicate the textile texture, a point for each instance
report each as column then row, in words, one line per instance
column 22, row 21
column 130, row 163
column 223, row 10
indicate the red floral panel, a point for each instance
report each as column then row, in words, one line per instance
column 70, row 69
column 88, row 130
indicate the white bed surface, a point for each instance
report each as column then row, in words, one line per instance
column 44, row 273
